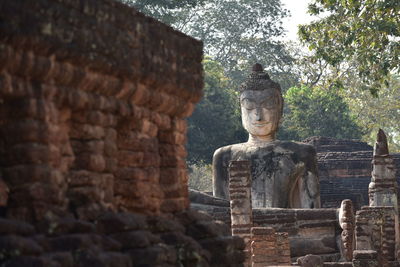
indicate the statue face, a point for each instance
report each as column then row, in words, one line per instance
column 261, row 112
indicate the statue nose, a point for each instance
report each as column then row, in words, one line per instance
column 259, row 114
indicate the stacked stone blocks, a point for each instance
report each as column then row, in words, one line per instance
column 93, row 109
column 269, row 247
column 93, row 101
column 240, row 202
column 347, row 223
column 375, row 230
column 263, row 246
column 344, row 167
column 377, row 225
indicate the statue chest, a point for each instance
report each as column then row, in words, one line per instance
column 274, row 175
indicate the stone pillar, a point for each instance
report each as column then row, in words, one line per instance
column 32, row 138
column 283, row 249
column 269, row 248
column 263, row 246
column 382, row 190
column 347, row 223
column 365, row 258
column 375, row 230
column 240, row 202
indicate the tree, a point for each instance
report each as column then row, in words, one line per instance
column 373, row 113
column 365, row 31
column 215, row 121
column 314, row 111
column 168, row 11
column 236, row 33
column 200, row 177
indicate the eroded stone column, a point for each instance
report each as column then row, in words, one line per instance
column 240, row 202
column 375, row 230
column 347, row 223
column 365, row 258
column 269, row 248
column 383, row 188
column 263, row 246
column 283, row 247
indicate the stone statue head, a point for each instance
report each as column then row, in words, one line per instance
column 261, row 105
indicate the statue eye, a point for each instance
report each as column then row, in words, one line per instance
column 248, row 104
column 269, row 103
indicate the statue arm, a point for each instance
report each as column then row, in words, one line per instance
column 220, row 175
column 312, row 181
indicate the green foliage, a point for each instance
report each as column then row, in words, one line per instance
column 364, row 31
column 215, row 121
column 373, row 113
column 169, row 4
column 236, row 33
column 168, row 11
column 317, row 112
column 200, row 176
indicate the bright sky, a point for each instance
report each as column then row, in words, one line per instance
column 298, row 11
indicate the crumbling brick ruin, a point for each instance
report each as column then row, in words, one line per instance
column 93, row 101
column 94, row 97
column 344, row 168
column 336, row 237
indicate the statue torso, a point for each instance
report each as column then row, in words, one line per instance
column 276, row 168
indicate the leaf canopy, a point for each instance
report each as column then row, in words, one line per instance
column 365, row 31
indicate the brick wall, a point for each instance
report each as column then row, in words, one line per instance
column 93, row 100
column 93, row 97
column 344, row 168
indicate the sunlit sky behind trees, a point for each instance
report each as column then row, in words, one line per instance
column 298, row 15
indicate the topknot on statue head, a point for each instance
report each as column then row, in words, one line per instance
column 259, row 80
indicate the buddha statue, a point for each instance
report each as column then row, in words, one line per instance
column 284, row 174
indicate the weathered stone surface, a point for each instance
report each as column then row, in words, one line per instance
column 203, row 198
column 74, row 111
column 15, row 245
column 375, row 230
column 66, row 226
column 297, row 159
column 347, row 223
column 65, row 259
column 310, row 230
column 9, row 226
column 268, row 247
column 284, row 174
column 344, row 167
column 71, row 242
column 94, row 97
column 4, row 191
column 135, row 239
column 161, row 224
column 153, row 256
column 241, row 203
column 31, row 261
column 172, row 242
column 310, row 261
column 120, row 222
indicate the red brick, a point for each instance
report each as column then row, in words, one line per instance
column 131, row 174
column 130, row 159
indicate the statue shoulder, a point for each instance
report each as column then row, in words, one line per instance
column 301, row 149
column 222, row 151
column 228, row 150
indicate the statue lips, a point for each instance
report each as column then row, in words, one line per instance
column 261, row 124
